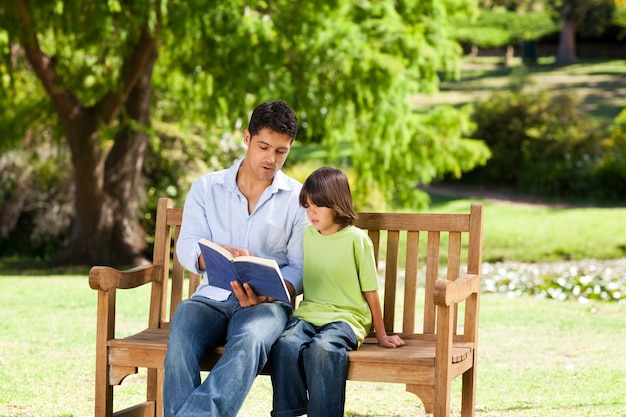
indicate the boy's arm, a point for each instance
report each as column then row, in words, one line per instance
column 377, row 320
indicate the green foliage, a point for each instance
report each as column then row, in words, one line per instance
column 591, row 16
column 619, row 19
column 25, row 112
column 500, row 28
column 348, row 77
column 35, row 201
column 427, row 147
column 541, row 144
column 611, row 168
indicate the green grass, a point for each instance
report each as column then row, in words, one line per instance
column 536, row 357
column 537, row 233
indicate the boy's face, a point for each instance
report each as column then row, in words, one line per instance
column 267, row 152
column 322, row 218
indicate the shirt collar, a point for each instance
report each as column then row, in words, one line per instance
column 280, row 182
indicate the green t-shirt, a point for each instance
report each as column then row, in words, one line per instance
column 338, row 268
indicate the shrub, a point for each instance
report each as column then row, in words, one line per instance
column 35, row 201
column 610, row 172
column 543, row 144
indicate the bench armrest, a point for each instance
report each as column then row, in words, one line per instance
column 104, row 278
column 448, row 292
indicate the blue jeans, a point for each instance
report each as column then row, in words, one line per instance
column 200, row 324
column 309, row 367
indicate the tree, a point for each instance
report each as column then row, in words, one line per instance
column 499, row 28
column 105, row 179
column 349, row 77
column 585, row 16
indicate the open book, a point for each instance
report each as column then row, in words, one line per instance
column 262, row 274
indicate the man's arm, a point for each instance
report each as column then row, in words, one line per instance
column 292, row 272
column 194, row 227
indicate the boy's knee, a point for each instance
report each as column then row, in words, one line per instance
column 321, row 348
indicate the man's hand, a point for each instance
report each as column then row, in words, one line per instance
column 235, row 251
column 246, row 295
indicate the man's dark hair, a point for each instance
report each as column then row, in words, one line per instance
column 275, row 115
column 329, row 187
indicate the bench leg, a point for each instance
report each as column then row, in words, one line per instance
column 468, row 393
column 154, row 391
column 426, row 393
column 104, row 392
column 442, row 402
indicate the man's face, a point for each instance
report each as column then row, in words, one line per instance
column 267, row 152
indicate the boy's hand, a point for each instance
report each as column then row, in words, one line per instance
column 390, row 341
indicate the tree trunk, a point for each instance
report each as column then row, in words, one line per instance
column 105, row 230
column 567, row 43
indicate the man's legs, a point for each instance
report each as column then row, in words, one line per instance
column 198, row 324
column 251, row 332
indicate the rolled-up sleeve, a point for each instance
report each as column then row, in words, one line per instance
column 292, row 272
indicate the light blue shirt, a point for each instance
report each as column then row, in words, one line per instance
column 216, row 209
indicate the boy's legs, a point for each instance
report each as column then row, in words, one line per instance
column 326, row 364
column 288, row 379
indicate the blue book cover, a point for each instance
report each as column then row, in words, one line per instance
column 262, row 274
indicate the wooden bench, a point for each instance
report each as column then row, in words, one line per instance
column 441, row 342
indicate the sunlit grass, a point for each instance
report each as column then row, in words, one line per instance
column 537, row 233
column 536, row 357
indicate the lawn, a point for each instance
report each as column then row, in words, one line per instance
column 536, row 357
column 543, row 233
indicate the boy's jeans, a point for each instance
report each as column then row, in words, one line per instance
column 311, row 359
column 200, row 324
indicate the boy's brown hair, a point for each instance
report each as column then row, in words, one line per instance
column 329, row 187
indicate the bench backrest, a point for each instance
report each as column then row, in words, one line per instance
column 453, row 246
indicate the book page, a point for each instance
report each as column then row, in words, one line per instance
column 223, row 251
column 258, row 260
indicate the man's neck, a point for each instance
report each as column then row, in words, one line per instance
column 250, row 186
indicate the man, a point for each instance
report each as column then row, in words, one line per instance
column 250, row 208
